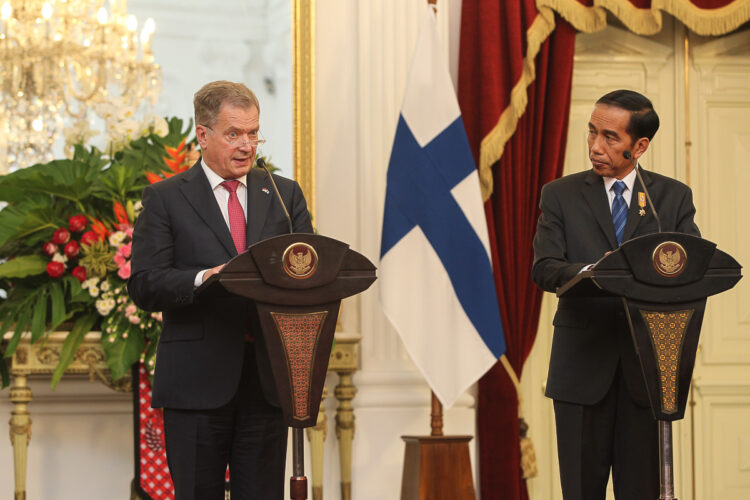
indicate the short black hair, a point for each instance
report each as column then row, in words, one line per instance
column 644, row 122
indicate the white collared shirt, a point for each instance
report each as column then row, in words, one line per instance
column 627, row 194
column 222, row 195
column 222, row 198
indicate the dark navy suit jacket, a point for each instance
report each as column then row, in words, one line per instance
column 180, row 232
column 575, row 228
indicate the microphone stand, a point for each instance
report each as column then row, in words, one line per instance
column 298, row 481
column 262, row 164
column 645, row 190
column 666, row 457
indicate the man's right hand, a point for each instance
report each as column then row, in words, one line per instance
column 212, row 271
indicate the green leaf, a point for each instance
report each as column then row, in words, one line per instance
column 23, row 265
column 23, row 320
column 68, row 179
column 39, row 317
column 26, row 218
column 4, row 373
column 57, row 305
column 71, row 343
column 122, row 352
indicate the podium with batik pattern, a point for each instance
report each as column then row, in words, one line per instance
column 297, row 282
column 664, row 280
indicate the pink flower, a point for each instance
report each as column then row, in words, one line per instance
column 130, row 310
column 129, row 231
column 124, row 271
column 125, row 250
column 134, row 319
column 119, row 259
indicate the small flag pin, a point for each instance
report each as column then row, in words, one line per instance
column 265, row 190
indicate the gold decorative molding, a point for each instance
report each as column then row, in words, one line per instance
column 303, row 91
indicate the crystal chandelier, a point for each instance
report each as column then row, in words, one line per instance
column 62, row 59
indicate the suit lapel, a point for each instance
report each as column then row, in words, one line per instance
column 634, row 218
column 259, row 195
column 197, row 191
column 596, row 197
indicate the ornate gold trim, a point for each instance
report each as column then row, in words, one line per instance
column 303, row 69
column 591, row 19
column 706, row 22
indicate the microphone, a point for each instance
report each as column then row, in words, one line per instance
column 628, row 156
column 262, row 164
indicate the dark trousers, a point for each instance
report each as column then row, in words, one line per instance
column 247, row 434
column 614, row 433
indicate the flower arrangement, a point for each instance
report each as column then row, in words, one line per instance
column 65, row 244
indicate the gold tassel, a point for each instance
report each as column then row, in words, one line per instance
column 529, row 467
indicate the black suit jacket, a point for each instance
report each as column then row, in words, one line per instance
column 180, row 232
column 575, row 229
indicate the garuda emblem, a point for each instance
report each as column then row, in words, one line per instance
column 300, row 260
column 669, row 259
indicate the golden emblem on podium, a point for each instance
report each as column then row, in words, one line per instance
column 669, row 259
column 300, row 260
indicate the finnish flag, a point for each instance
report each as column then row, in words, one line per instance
column 436, row 283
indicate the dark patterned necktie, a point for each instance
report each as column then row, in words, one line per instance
column 619, row 211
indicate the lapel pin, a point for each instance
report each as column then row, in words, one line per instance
column 642, row 203
column 266, row 191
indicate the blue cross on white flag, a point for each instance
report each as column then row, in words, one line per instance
column 436, row 283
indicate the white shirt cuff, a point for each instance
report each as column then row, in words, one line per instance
column 586, row 268
column 199, row 278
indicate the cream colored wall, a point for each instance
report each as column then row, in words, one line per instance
column 714, row 432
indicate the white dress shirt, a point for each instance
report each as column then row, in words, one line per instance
column 222, row 198
column 627, row 194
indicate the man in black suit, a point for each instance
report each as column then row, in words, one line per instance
column 602, row 412
column 212, row 373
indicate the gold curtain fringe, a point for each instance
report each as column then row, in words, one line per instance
column 493, row 144
column 706, row 22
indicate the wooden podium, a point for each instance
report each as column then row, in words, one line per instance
column 663, row 280
column 297, row 282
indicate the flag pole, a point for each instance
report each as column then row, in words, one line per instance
column 436, row 421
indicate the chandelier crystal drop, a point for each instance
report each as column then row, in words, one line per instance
column 64, row 59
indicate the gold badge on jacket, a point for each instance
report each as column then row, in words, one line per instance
column 642, row 203
column 300, row 260
column 669, row 259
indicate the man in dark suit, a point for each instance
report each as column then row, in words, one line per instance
column 212, row 373
column 602, row 412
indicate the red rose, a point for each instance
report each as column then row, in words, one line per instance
column 55, row 269
column 77, row 223
column 61, row 236
column 89, row 238
column 71, row 249
column 79, row 273
column 49, row 248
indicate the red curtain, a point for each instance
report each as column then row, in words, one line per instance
column 493, row 46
